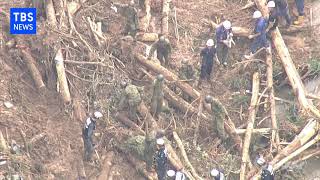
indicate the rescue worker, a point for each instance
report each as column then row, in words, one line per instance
column 131, row 15
column 163, row 48
column 157, row 96
column 279, row 8
column 267, row 169
column 186, row 72
column 207, row 54
column 260, row 36
column 224, row 40
column 216, row 174
column 87, row 132
column 300, row 8
column 161, row 159
column 179, row 175
column 218, row 116
column 130, row 97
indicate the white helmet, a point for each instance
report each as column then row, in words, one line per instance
column 271, row 4
column 210, row 43
column 226, row 24
column 214, row 173
column 171, row 173
column 257, row 14
column 160, row 141
column 97, row 114
column 260, row 161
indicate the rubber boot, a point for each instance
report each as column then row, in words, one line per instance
column 299, row 20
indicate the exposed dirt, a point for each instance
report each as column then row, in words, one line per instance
column 58, row 154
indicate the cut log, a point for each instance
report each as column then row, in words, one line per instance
column 250, row 126
column 261, row 131
column 62, row 78
column 292, row 73
column 106, row 166
column 275, row 135
column 168, row 75
column 147, row 37
column 237, row 31
column 129, row 123
column 185, row 157
column 145, row 20
column 297, row 152
column 165, row 17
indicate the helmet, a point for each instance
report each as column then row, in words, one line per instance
column 184, row 61
column 131, row 3
column 226, row 24
column 210, row 43
column 271, row 4
column 171, row 173
column 162, row 38
column 160, row 77
column 97, row 114
column 257, row 14
column 214, row 173
column 123, row 84
column 260, row 161
column 160, row 141
column 208, row 99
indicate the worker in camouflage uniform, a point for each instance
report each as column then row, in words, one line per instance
column 130, row 97
column 157, row 96
column 163, row 48
column 218, row 116
column 186, row 73
column 131, row 15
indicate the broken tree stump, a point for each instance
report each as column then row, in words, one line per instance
column 145, row 20
column 62, row 82
column 250, row 126
column 165, row 17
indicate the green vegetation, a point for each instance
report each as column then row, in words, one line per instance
column 314, row 66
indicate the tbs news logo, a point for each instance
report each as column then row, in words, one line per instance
column 23, row 21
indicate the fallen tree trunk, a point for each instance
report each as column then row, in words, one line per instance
column 3, row 144
column 185, row 157
column 143, row 110
column 62, row 79
column 168, row 75
column 129, row 123
column 106, row 166
column 292, row 73
column 35, row 74
column 275, row 135
column 237, row 31
column 251, row 120
column 306, row 155
column 165, row 17
column 261, row 131
column 297, row 152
